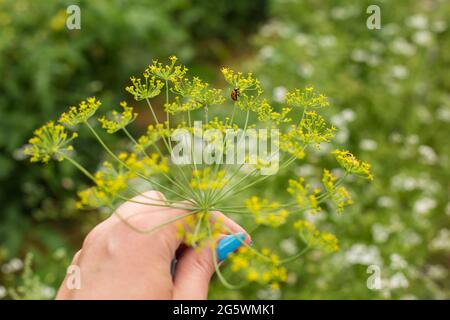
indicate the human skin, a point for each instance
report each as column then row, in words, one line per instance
column 117, row 262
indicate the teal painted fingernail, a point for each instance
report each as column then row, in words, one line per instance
column 229, row 244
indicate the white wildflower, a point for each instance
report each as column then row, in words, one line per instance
column 368, row 144
column 279, row 94
column 363, row 254
column 398, row 280
column 442, row 241
column 428, row 155
column 417, row 21
column 424, row 205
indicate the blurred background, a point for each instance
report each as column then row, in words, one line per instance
column 390, row 91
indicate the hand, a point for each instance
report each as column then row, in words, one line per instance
column 117, row 262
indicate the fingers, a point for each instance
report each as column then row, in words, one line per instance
column 193, row 273
column 231, row 226
column 148, row 210
column 146, row 202
column 196, row 266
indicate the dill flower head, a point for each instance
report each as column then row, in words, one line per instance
column 303, row 195
column 352, row 165
column 80, row 114
column 306, row 98
column 316, row 239
column 338, row 194
column 109, row 182
column 153, row 135
column 311, row 130
column 145, row 89
column 206, row 179
column 170, row 72
column 148, row 165
column 119, row 120
column 49, row 141
column 241, row 82
column 193, row 94
column 263, row 267
column 266, row 212
column 202, row 186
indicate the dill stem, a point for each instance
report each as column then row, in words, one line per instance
column 127, row 166
column 146, row 154
column 296, row 256
column 81, row 168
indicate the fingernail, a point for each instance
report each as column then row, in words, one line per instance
column 229, row 244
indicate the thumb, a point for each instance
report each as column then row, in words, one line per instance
column 195, row 268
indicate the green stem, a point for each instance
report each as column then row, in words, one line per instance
column 81, row 168
column 127, row 166
column 216, row 264
column 180, row 187
column 296, row 256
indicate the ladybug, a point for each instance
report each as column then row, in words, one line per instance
column 235, row 94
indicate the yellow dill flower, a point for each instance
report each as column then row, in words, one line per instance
column 275, row 286
column 288, row 142
column 238, row 263
column 109, row 183
column 306, row 98
column 314, row 238
column 119, row 120
column 148, row 165
column 58, row 21
column 178, row 106
column 241, row 82
column 338, row 194
column 352, row 165
column 312, row 130
column 249, row 97
column 260, row 163
column 170, row 72
column 92, row 198
column 195, row 95
column 154, row 133
column 314, row 202
column 283, row 116
column 49, row 141
column 266, row 212
column 308, row 231
column 261, row 267
column 328, row 242
column 205, row 179
column 193, row 230
column 82, row 113
column 220, row 125
column 110, row 180
column 258, row 105
column 149, row 88
column 302, row 194
column 153, row 164
column 252, row 275
column 198, row 91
